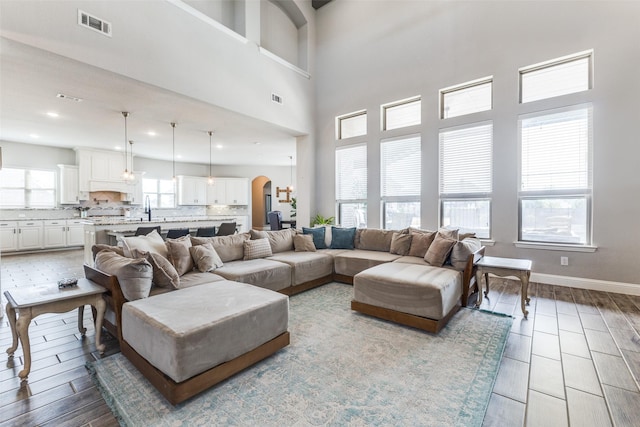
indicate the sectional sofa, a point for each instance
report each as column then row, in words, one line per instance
column 167, row 292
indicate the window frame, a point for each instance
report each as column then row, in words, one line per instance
column 339, row 201
column 28, row 189
column 385, row 107
column 158, row 193
column 460, row 87
column 340, row 119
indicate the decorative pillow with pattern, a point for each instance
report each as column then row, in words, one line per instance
column 205, row 257
column 259, row 248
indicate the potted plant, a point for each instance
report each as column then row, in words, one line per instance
column 321, row 220
column 294, row 206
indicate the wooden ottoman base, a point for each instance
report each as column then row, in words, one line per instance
column 429, row 325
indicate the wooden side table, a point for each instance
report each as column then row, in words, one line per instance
column 503, row 267
column 30, row 302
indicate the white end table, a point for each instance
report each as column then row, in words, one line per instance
column 30, row 302
column 503, row 267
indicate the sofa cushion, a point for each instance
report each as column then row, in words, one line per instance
column 350, row 263
column 229, row 248
column 134, row 274
column 101, row 247
column 261, row 272
column 342, row 238
column 373, row 239
column 306, row 266
column 400, row 243
column 439, row 250
column 280, row 240
column 165, row 274
column 196, row 278
column 461, row 251
column 152, row 242
column 179, row 254
column 205, row 257
column 254, row 249
column 303, row 243
column 420, row 242
column 318, row 234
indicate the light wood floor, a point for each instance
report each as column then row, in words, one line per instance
column 576, row 361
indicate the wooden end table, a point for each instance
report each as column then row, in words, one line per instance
column 30, row 302
column 503, row 267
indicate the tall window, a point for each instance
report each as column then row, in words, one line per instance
column 351, row 185
column 557, row 77
column 401, row 114
column 556, row 176
column 27, row 188
column 466, row 178
column 351, row 125
column 161, row 192
column 467, row 98
column 400, row 178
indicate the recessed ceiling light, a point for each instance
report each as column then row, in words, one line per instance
column 52, row 114
column 117, row 148
column 151, row 133
column 219, row 146
column 257, row 143
column 179, row 156
column 33, row 135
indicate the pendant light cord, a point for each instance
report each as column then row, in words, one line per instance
column 173, row 126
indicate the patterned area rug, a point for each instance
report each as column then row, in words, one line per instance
column 341, row 368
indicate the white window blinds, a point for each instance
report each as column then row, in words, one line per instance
column 558, row 78
column 351, row 173
column 555, row 150
column 466, row 160
column 401, row 167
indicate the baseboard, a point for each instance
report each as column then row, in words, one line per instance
column 591, row 284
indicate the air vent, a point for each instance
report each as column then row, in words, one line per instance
column 96, row 24
column 276, row 98
column 69, row 97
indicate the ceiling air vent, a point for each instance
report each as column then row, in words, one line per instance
column 276, row 98
column 96, row 24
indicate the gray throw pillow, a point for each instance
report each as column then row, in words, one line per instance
column 205, row 257
column 400, row 244
column 179, row 254
column 439, row 250
column 420, row 242
column 304, row 243
column 461, row 251
column 134, row 274
column 164, row 273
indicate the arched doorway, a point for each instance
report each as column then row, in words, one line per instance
column 260, row 201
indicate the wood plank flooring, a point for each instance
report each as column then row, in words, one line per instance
column 574, row 362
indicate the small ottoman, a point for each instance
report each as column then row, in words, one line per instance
column 185, row 333
column 421, row 296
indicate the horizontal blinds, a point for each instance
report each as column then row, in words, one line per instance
column 467, row 100
column 555, row 80
column 353, row 126
column 466, row 160
column 555, row 151
column 401, row 167
column 351, row 173
column 402, row 115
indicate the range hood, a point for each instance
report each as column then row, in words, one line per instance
column 115, row 186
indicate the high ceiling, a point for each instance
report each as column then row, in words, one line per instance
column 31, row 79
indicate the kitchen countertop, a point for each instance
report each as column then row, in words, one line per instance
column 121, row 220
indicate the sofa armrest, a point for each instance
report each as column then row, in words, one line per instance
column 113, row 296
column 469, row 282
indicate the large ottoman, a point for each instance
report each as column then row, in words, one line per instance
column 420, row 296
column 189, row 339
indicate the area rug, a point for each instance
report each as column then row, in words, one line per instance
column 341, row 368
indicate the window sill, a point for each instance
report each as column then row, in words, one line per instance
column 555, row 247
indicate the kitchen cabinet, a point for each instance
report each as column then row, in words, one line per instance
column 100, row 170
column 217, row 192
column 75, row 232
column 107, row 166
column 69, row 190
column 192, row 190
column 8, row 236
column 29, row 235
column 228, row 191
column 63, row 233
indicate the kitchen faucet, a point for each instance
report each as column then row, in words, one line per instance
column 147, row 207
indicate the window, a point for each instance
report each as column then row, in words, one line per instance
column 354, row 124
column 351, row 185
column 467, row 98
column 466, row 178
column 161, row 192
column 557, row 77
column 555, row 176
column 27, row 188
column 400, row 179
column 401, row 114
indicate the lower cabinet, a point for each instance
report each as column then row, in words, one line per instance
column 29, row 235
column 63, row 233
column 35, row 235
column 8, row 236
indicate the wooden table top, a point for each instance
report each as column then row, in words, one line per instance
column 36, row 295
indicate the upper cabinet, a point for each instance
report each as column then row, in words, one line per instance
column 100, row 170
column 69, row 191
column 192, row 190
column 228, row 191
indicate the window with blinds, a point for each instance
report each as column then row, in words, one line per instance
column 466, row 98
column 466, row 182
column 557, row 77
column 351, row 184
column 27, row 188
column 401, row 114
column 401, row 172
column 556, row 175
column 161, row 192
column 351, row 125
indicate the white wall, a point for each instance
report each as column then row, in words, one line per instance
column 370, row 53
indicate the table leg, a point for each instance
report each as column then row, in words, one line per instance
column 479, row 282
column 81, row 327
column 22, row 327
column 524, row 292
column 486, row 280
column 11, row 315
column 101, row 306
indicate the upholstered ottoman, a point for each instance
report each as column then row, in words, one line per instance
column 189, row 339
column 421, row 296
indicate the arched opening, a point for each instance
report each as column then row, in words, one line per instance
column 260, row 201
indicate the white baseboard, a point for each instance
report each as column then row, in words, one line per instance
column 591, row 284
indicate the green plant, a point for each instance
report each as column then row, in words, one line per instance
column 320, row 220
column 294, row 206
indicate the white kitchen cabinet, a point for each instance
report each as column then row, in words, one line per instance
column 69, row 190
column 228, row 191
column 29, row 235
column 107, row 166
column 8, row 236
column 63, row 233
column 100, row 170
column 75, row 232
column 217, row 192
column 192, row 190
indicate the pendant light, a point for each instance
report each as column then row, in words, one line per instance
column 210, row 176
column 173, row 128
column 290, row 186
column 125, row 174
column 131, row 176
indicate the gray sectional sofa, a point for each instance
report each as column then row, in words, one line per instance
column 414, row 277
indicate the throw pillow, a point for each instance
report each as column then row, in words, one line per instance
column 152, row 242
column 420, row 242
column 318, row 236
column 205, row 257
column 461, row 251
column 254, row 249
column 179, row 254
column 164, row 273
column 230, row 248
column 374, row 239
column 449, row 232
column 304, row 243
column 134, row 275
column 342, row 238
column 439, row 250
column 101, row 247
column 280, row 241
column 400, row 244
